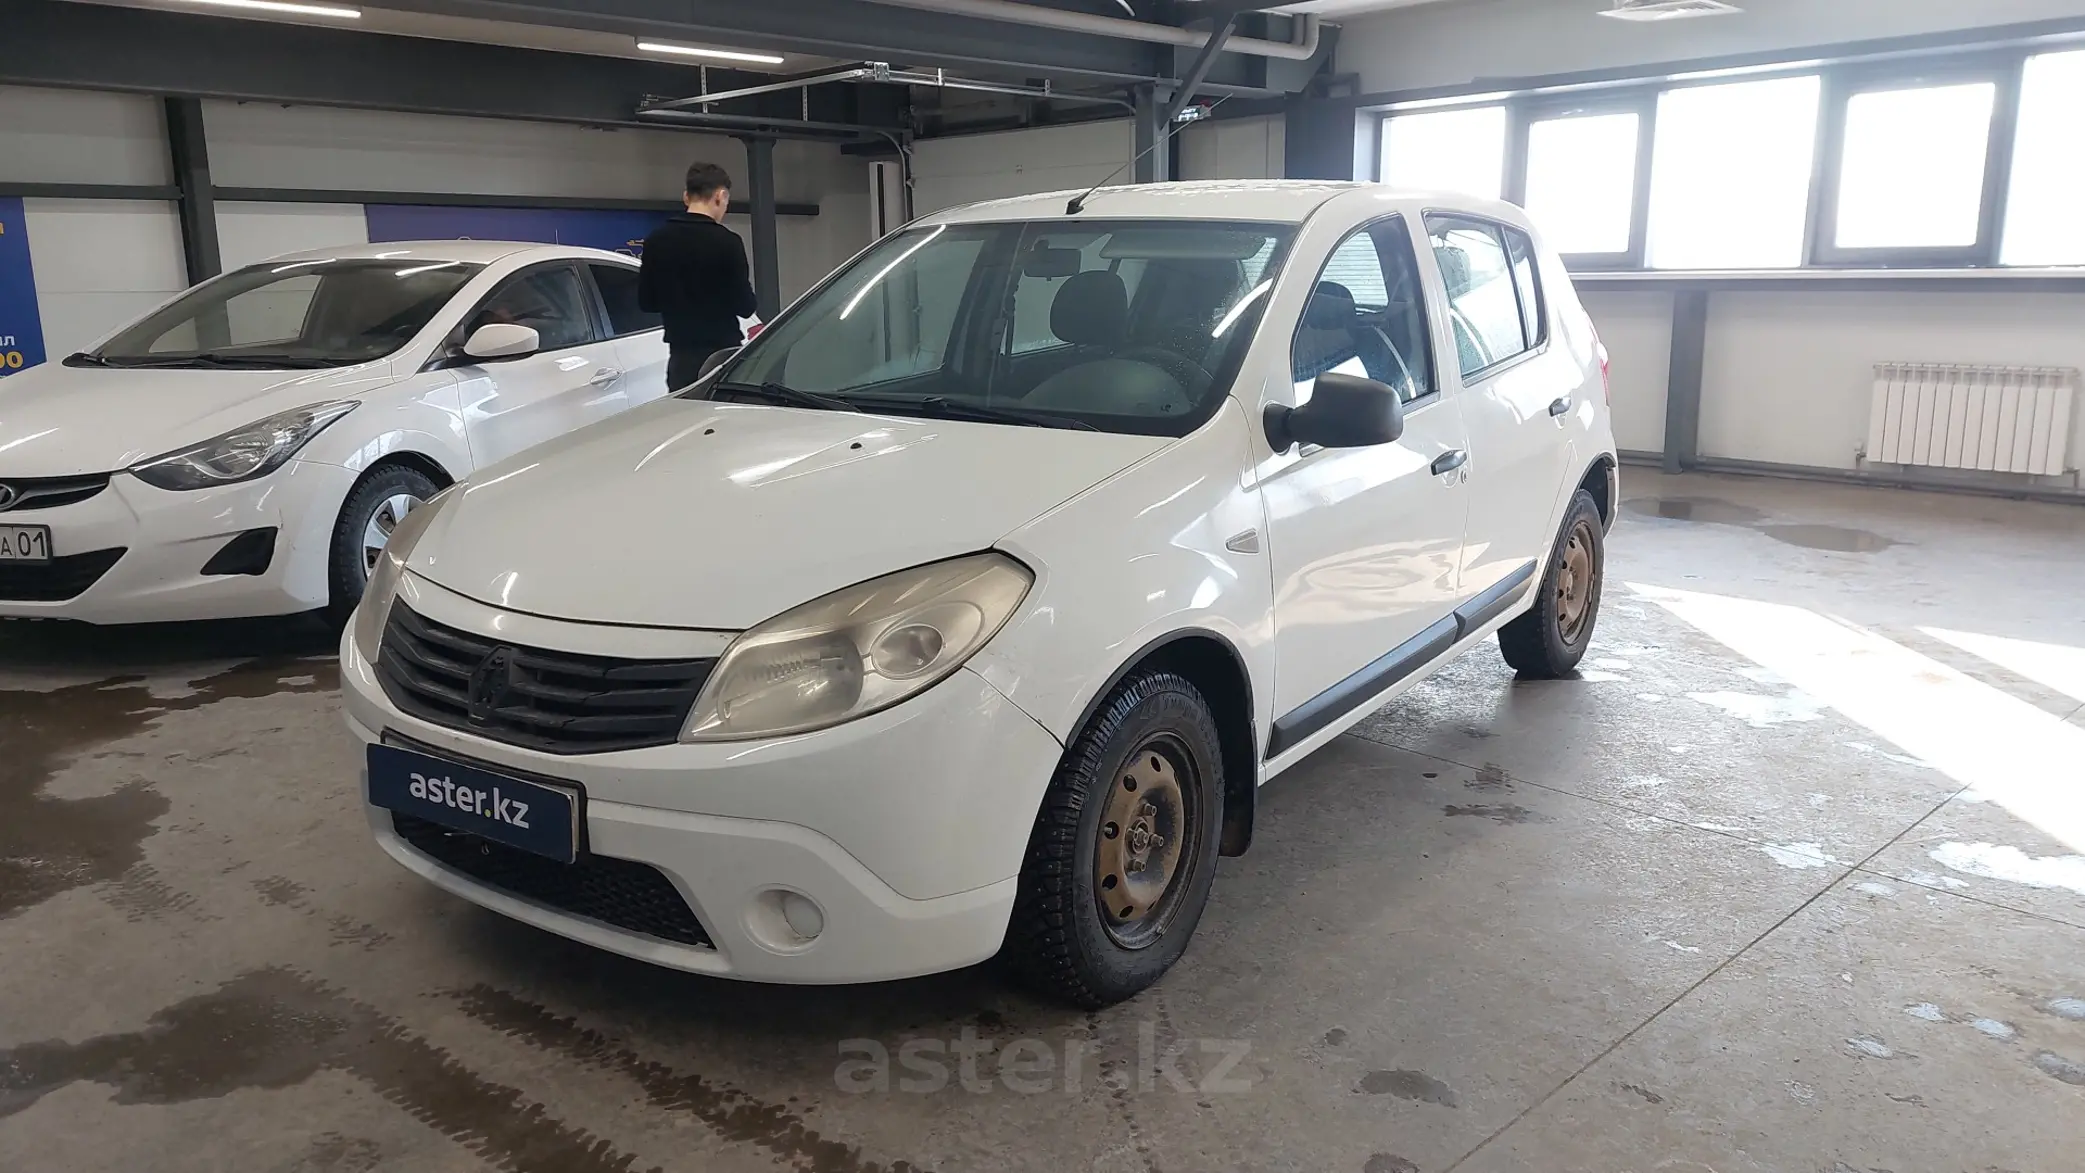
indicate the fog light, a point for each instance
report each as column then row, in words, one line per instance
column 803, row 916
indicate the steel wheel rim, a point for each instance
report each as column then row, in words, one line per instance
column 384, row 519
column 1145, row 841
column 1575, row 583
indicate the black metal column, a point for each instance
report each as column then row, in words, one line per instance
column 760, row 184
column 190, row 151
column 1690, row 330
column 1153, row 160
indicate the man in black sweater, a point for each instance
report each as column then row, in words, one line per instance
column 695, row 276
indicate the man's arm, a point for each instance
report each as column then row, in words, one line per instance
column 741, row 288
column 648, row 280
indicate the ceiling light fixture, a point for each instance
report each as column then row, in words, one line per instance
column 711, row 54
column 1647, row 10
column 284, row 6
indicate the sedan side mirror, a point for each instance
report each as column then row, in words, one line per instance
column 1344, row 411
column 503, row 340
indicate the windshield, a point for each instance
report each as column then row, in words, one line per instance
column 1124, row 326
column 300, row 314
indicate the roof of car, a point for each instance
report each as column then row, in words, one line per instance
column 477, row 252
column 1289, row 201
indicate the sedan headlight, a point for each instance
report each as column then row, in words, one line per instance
column 255, row 450
column 857, row 650
column 375, row 609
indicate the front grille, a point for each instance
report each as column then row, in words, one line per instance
column 557, row 702
column 61, row 578
column 48, row 492
column 620, row 893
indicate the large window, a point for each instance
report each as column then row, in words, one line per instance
column 1730, row 175
column 2044, row 225
column 1447, row 150
column 1494, row 307
column 1966, row 159
column 1367, row 317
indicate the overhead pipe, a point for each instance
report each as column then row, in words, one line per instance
column 1302, row 49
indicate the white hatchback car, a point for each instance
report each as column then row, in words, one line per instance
column 246, row 448
column 963, row 611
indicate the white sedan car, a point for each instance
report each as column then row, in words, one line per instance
column 964, row 610
column 247, row 448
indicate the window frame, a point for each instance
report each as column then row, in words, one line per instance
column 1401, row 224
column 1839, row 80
column 1530, row 349
column 450, row 352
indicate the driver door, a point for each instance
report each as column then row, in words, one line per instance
column 1365, row 543
column 514, row 404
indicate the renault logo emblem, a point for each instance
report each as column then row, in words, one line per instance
column 490, row 682
column 8, row 496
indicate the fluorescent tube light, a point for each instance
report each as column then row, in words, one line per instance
column 286, row 6
column 712, row 54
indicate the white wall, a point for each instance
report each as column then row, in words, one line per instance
column 967, row 168
column 66, row 136
column 1461, row 43
column 1239, row 148
column 100, row 263
column 1637, row 330
column 248, row 233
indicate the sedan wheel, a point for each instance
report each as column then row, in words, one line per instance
column 377, row 534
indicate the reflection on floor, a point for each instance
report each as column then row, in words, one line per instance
column 1792, row 879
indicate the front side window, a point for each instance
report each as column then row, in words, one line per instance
column 1483, row 301
column 1367, row 317
column 1119, row 325
column 552, row 302
column 618, row 286
column 295, row 315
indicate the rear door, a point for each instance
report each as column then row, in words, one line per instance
column 1365, row 543
column 1514, row 398
column 574, row 379
column 640, row 341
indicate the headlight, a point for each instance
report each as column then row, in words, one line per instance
column 857, row 650
column 375, row 609
column 252, row 451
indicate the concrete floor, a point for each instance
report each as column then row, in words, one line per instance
column 1787, row 882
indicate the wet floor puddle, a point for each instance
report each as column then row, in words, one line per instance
column 1708, row 510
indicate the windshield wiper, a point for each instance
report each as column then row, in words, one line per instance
column 214, row 361
column 80, row 358
column 785, row 395
column 942, row 407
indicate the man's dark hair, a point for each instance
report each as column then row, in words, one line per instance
column 706, row 180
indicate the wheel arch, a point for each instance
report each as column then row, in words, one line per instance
column 1602, row 481
column 419, row 462
column 1213, row 664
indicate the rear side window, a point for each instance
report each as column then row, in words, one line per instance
column 1494, row 303
column 1367, row 316
column 618, row 285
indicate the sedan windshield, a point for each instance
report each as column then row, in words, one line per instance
column 300, row 314
column 1118, row 325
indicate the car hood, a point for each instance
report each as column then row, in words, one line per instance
column 57, row 420
column 695, row 514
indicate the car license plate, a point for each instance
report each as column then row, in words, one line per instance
column 528, row 815
column 25, row 543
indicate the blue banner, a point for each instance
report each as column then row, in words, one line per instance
column 21, row 326
column 615, row 231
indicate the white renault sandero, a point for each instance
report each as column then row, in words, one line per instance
column 247, row 448
column 962, row 613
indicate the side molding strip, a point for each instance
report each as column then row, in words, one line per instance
column 1353, row 692
column 1494, row 601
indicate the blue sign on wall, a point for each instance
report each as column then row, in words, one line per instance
column 614, row 230
column 21, row 326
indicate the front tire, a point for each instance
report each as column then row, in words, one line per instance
column 379, row 501
column 1124, row 849
column 1549, row 640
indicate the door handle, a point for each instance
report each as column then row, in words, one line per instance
column 1561, row 406
column 605, row 376
column 1450, row 461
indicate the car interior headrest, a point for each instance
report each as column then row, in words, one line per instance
column 1091, row 309
column 1331, row 307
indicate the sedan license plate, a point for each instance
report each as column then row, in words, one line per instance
column 25, row 543
column 528, row 815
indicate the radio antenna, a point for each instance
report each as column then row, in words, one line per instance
column 1077, row 203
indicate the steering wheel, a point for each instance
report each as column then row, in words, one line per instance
column 1191, row 375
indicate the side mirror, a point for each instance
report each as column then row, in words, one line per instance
column 503, row 340
column 1344, row 411
column 717, row 358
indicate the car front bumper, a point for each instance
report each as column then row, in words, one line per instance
column 166, row 540
column 906, row 828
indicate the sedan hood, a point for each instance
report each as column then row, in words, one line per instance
column 695, row 514
column 58, row 421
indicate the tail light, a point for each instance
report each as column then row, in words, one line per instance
column 1606, row 388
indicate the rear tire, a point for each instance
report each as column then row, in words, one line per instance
column 1549, row 640
column 1124, row 849
column 382, row 497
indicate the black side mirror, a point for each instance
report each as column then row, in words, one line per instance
column 1344, row 411
column 716, row 359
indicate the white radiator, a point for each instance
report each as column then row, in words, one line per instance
column 1999, row 419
